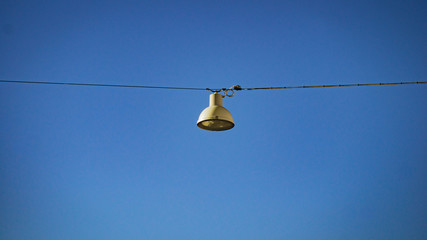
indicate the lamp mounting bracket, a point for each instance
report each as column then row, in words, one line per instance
column 226, row 90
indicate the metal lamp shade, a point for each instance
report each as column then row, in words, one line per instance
column 215, row 117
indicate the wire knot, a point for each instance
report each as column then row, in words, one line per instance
column 236, row 87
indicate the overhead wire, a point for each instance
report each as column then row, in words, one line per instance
column 236, row 87
column 101, row 85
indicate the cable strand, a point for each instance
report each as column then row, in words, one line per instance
column 101, row 85
column 236, row 87
column 336, row 85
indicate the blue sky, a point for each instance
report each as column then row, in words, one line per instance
column 113, row 163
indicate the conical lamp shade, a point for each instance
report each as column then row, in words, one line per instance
column 215, row 117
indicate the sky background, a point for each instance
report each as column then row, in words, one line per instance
column 114, row 163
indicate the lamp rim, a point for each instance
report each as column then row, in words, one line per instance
column 200, row 125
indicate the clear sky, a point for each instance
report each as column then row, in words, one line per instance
column 113, row 163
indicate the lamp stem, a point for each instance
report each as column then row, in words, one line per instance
column 215, row 99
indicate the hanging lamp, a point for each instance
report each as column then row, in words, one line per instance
column 216, row 117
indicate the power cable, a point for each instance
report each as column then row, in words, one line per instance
column 100, row 85
column 236, row 87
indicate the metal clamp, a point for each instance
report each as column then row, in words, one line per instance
column 229, row 95
column 226, row 91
